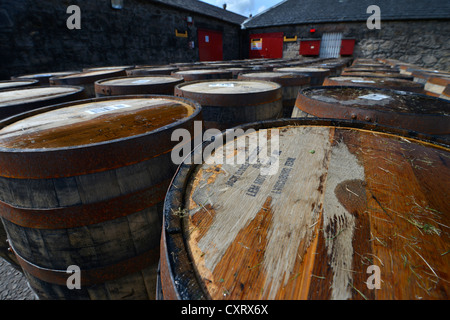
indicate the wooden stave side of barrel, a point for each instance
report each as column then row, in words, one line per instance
column 103, row 89
column 222, row 114
column 14, row 109
column 88, row 82
column 431, row 124
column 146, row 180
column 178, row 276
column 399, row 84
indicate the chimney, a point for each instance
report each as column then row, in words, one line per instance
column 224, row 6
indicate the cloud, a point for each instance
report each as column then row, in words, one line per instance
column 243, row 7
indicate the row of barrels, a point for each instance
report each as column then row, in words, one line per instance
column 92, row 183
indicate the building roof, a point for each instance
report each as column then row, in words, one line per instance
column 290, row 12
column 205, row 9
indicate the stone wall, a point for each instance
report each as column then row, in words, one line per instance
column 423, row 43
column 34, row 36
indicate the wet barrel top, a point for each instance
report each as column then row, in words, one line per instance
column 388, row 83
column 91, row 135
column 389, row 107
column 153, row 84
column 92, row 122
column 12, row 84
column 88, row 76
column 230, row 92
column 339, row 200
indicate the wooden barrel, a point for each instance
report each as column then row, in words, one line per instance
column 291, row 83
column 87, row 79
column 317, row 75
column 44, row 78
column 348, row 210
column 137, row 85
column 13, row 102
column 238, row 70
column 370, row 69
column 82, row 184
column 108, row 68
column 144, row 71
column 17, row 84
column 388, row 83
column 376, row 74
column 437, row 85
column 203, row 74
column 228, row 103
column 407, row 110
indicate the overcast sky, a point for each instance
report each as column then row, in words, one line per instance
column 245, row 7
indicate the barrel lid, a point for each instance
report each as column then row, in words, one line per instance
column 30, row 95
column 389, row 83
column 230, row 92
column 308, row 70
column 108, row 68
column 139, row 80
column 8, row 84
column 371, row 69
column 202, row 71
column 87, row 76
column 377, row 74
column 285, row 79
column 408, row 110
column 312, row 227
column 46, row 75
column 92, row 122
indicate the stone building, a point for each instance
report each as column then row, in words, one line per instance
column 412, row 31
column 34, row 36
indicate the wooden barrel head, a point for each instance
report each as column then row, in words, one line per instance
column 317, row 74
column 44, row 78
column 108, row 68
column 344, row 199
column 282, row 78
column 227, row 103
column 376, row 74
column 144, row 71
column 203, row 74
column 371, row 69
column 17, row 84
column 13, row 102
column 155, row 84
column 387, row 83
column 408, row 110
column 91, row 135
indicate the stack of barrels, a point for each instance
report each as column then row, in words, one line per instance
column 350, row 170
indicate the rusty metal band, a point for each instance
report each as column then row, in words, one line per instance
column 93, row 276
column 88, row 214
column 231, row 100
column 167, row 282
column 435, row 124
column 99, row 157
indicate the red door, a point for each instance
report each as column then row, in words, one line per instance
column 266, row 45
column 210, row 45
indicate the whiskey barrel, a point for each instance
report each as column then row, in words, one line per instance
column 407, row 110
column 137, row 85
column 203, row 74
column 146, row 71
column 228, row 103
column 345, row 207
column 87, row 79
column 388, row 83
column 422, row 76
column 44, row 78
column 371, row 69
column 238, row 70
column 82, row 184
column 16, row 101
column 17, row 84
column 446, row 93
column 291, row 83
column 317, row 75
column 108, row 68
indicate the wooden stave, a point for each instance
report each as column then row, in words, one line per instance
column 103, row 89
column 162, row 168
column 431, row 124
column 14, row 109
column 178, row 276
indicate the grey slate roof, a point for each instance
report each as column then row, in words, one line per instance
column 316, row 11
column 205, row 9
